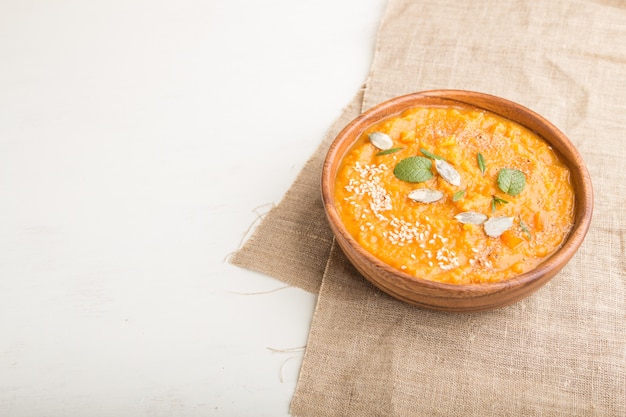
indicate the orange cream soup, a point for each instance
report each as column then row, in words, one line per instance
column 425, row 239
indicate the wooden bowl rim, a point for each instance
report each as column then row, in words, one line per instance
column 568, row 152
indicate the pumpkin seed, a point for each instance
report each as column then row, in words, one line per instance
column 495, row 226
column 425, row 195
column 448, row 172
column 381, row 140
column 471, row 217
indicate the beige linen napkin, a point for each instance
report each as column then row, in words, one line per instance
column 561, row 351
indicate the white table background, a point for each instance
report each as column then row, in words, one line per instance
column 139, row 141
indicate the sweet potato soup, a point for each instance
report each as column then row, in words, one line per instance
column 455, row 195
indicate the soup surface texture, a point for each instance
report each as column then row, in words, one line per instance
column 455, row 195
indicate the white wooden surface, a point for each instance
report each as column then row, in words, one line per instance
column 139, row 140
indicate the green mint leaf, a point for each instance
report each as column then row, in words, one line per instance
column 458, row 195
column 414, row 169
column 388, row 151
column 511, row 181
column 430, row 154
column 481, row 162
column 525, row 228
column 497, row 200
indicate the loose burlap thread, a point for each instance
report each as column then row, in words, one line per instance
column 560, row 352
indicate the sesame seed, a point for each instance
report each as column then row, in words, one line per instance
column 370, row 185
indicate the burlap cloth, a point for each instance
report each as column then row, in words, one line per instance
column 559, row 352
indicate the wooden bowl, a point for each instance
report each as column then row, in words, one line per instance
column 451, row 297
